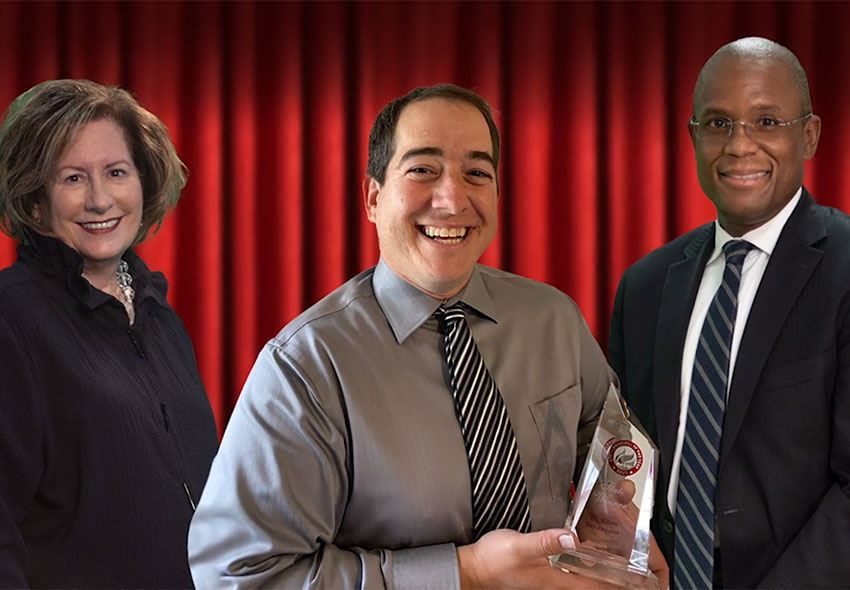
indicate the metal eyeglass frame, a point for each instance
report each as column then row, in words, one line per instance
column 780, row 124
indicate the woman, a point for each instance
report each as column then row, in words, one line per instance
column 106, row 434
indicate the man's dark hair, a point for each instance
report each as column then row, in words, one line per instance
column 382, row 135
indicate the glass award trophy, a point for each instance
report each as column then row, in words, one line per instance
column 613, row 502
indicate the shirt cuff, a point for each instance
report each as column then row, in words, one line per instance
column 433, row 566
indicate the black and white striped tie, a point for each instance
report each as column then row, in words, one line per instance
column 499, row 498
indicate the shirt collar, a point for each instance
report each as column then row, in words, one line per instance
column 58, row 260
column 764, row 237
column 407, row 308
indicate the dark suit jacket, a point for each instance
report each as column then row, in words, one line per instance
column 783, row 489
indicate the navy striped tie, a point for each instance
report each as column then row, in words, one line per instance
column 694, row 546
column 499, row 498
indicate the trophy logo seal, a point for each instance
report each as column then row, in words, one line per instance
column 624, row 457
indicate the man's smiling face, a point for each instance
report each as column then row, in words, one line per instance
column 749, row 182
column 437, row 211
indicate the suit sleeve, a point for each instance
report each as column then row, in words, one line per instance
column 819, row 556
column 21, row 452
column 616, row 354
column 277, row 493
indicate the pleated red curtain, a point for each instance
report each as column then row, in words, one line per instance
column 270, row 104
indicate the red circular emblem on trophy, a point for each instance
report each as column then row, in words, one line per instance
column 624, row 457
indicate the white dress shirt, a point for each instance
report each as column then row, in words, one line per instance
column 764, row 239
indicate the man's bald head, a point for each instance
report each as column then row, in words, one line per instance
column 758, row 49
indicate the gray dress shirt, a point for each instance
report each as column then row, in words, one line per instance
column 343, row 465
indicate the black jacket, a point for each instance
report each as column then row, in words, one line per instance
column 105, row 429
column 783, row 486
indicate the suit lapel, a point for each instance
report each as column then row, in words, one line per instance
column 677, row 299
column 788, row 270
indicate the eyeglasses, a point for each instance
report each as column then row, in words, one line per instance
column 717, row 130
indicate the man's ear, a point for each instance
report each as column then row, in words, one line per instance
column 692, row 132
column 370, row 189
column 811, row 136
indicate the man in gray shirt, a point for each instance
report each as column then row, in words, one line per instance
column 344, row 464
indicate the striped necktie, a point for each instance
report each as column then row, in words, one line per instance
column 499, row 497
column 694, row 546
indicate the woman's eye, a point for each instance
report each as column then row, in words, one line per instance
column 72, row 179
column 117, row 173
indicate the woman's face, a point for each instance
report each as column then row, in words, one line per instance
column 95, row 197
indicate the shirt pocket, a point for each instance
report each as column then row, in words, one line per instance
column 556, row 420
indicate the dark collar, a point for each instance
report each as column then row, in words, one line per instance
column 58, row 262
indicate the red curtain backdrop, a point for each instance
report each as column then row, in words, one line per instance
column 270, row 105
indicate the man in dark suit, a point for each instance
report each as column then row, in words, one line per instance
column 778, row 494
